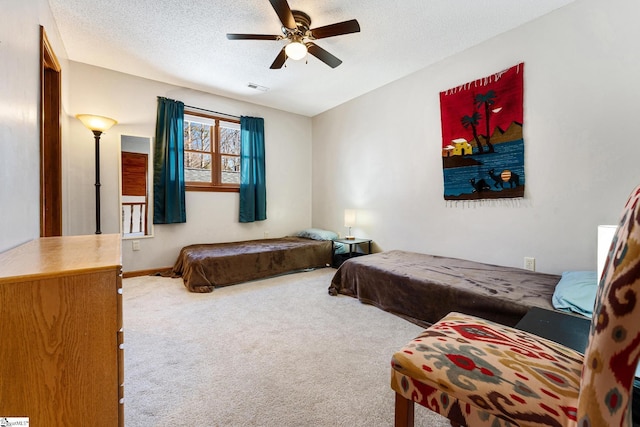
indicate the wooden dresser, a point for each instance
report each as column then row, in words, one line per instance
column 61, row 339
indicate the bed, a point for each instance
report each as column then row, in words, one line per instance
column 204, row 267
column 424, row 288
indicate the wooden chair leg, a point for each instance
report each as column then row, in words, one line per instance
column 404, row 411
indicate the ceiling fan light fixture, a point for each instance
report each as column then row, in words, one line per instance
column 296, row 50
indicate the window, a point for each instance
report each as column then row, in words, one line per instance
column 211, row 153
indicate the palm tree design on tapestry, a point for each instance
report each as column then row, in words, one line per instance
column 486, row 100
column 473, row 121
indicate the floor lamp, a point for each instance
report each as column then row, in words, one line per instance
column 97, row 125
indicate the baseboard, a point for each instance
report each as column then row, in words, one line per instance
column 151, row 272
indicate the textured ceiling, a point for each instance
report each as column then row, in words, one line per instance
column 184, row 42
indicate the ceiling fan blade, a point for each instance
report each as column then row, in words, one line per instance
column 338, row 29
column 323, row 55
column 252, row 37
column 279, row 61
column 284, row 13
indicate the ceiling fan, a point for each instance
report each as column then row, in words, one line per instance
column 296, row 29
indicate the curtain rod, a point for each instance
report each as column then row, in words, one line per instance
column 204, row 109
column 211, row 111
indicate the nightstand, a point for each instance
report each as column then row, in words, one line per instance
column 571, row 331
column 338, row 259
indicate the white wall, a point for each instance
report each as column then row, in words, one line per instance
column 19, row 116
column 211, row 217
column 380, row 153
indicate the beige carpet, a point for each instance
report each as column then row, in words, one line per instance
column 276, row 352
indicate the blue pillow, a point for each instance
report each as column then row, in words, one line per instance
column 317, row 234
column 576, row 292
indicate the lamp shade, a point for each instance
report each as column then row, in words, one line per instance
column 349, row 217
column 296, row 50
column 96, row 123
column 605, row 236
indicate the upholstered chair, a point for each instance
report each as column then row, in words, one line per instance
column 480, row 373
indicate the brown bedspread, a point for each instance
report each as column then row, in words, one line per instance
column 205, row 266
column 424, row 288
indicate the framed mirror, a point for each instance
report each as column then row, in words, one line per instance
column 136, row 186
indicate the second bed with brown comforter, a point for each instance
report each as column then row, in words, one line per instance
column 424, row 288
column 204, row 267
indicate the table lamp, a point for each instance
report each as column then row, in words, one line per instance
column 349, row 221
column 605, row 236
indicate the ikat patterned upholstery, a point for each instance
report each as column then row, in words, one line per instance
column 479, row 373
column 612, row 353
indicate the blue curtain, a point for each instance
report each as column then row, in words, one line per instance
column 168, row 164
column 253, row 189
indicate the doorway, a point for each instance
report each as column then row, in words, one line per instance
column 134, row 194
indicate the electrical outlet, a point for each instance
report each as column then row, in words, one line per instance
column 530, row 263
column 266, row 234
column 135, row 244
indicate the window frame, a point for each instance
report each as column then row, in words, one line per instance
column 216, row 184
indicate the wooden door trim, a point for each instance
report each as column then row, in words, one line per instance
column 50, row 140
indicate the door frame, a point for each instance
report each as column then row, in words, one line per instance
column 50, row 140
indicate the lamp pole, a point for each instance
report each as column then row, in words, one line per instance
column 97, row 125
column 96, row 135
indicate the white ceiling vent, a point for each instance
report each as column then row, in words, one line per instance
column 258, row 87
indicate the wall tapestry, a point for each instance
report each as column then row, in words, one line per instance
column 482, row 142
